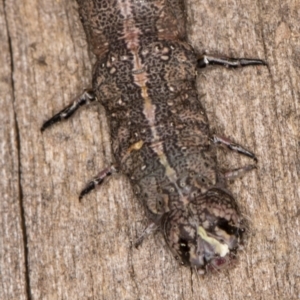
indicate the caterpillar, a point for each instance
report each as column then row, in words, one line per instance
column 144, row 76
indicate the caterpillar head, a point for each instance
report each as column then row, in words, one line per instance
column 207, row 232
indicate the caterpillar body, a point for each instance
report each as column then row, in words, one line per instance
column 144, row 76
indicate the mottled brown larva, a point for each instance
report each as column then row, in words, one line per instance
column 145, row 76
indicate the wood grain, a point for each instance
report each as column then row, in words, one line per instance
column 53, row 247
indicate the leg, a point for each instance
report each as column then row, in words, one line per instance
column 85, row 98
column 206, row 60
column 233, row 146
column 97, row 180
column 239, row 172
column 148, row 230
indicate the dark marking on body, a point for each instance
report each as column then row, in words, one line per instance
column 145, row 76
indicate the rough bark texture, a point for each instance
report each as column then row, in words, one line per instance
column 53, row 247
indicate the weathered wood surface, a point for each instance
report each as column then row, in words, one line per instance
column 53, row 247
